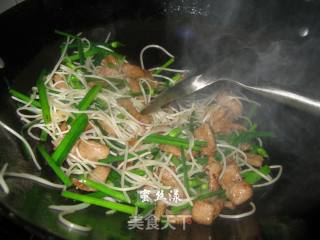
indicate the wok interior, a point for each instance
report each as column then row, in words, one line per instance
column 199, row 41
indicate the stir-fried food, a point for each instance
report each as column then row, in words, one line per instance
column 188, row 163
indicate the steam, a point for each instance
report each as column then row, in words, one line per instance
column 260, row 43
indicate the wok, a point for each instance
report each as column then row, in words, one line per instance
column 256, row 42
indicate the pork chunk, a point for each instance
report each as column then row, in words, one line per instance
column 128, row 105
column 231, row 175
column 254, row 160
column 204, row 133
column 239, row 193
column 204, row 212
column 93, row 150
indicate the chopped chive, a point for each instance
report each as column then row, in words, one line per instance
column 252, row 177
column 90, row 53
column 68, row 63
column 139, row 172
column 218, row 193
column 147, row 211
column 178, row 209
column 104, row 189
column 183, row 140
column 185, row 170
column 135, row 199
column 116, row 44
column 259, row 151
column 80, row 52
column 175, row 132
column 177, row 77
column 96, row 194
column 114, row 178
column 101, row 104
column 191, row 124
column 244, row 137
column 165, row 65
column 74, row 82
column 195, row 182
column 89, row 98
column 100, row 202
column 202, row 161
column 65, row 146
column 204, row 186
column 175, row 161
column 43, row 98
column 24, row 98
column 43, row 136
column 174, row 141
column 61, row 175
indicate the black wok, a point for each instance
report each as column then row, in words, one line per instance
column 259, row 42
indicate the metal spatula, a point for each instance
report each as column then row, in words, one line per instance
column 197, row 82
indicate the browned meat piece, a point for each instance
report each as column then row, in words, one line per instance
column 254, row 160
column 134, row 73
column 132, row 141
column 63, row 126
column 220, row 121
column 231, row 175
column 239, row 193
column 217, row 121
column 62, row 84
column 229, row 205
column 170, row 149
column 168, row 180
column 134, row 85
column 100, row 174
column 175, row 151
column 204, row 212
column 213, row 170
column 110, row 60
column 110, row 67
column 204, row 133
column 81, row 186
column 224, row 113
column 159, row 210
column 127, row 104
column 93, row 150
column 106, row 127
column 233, row 106
column 179, row 219
column 213, row 183
column 214, row 167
